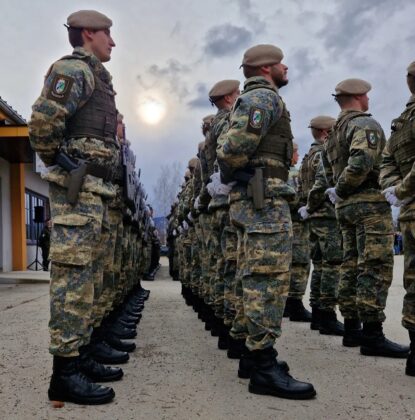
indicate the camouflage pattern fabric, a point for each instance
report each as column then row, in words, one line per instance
column 326, row 242
column 366, row 271
column 75, row 281
column 263, row 270
column 408, row 235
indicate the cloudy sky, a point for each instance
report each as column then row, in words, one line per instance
column 169, row 54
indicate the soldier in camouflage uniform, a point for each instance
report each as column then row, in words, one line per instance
column 396, row 176
column 300, row 269
column 256, row 152
column 325, row 235
column 223, row 95
column 76, row 115
column 354, row 150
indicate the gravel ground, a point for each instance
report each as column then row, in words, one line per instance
column 177, row 372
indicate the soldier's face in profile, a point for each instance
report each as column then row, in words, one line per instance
column 102, row 44
column 364, row 101
column 279, row 74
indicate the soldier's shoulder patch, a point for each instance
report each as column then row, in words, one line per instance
column 256, row 120
column 60, row 88
column 372, row 137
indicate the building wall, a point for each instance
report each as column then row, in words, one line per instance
column 5, row 217
column 34, row 182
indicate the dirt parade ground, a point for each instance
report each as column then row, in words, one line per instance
column 177, row 372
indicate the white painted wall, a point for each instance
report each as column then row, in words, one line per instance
column 5, row 218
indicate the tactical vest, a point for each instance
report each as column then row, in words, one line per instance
column 307, row 173
column 338, row 151
column 401, row 143
column 97, row 118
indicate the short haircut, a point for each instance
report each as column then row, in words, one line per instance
column 250, row 71
column 75, row 37
column 344, row 99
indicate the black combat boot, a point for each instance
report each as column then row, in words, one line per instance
column 95, row 371
column 216, row 324
column 247, row 363
column 270, row 378
column 329, row 324
column 121, row 332
column 352, row 333
column 223, row 339
column 287, row 308
column 297, row 311
column 374, row 343
column 119, row 344
column 410, row 363
column 102, row 352
column 235, row 348
column 315, row 318
column 68, row 383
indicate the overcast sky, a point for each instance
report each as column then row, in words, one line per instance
column 175, row 51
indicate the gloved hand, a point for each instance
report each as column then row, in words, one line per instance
column 302, row 211
column 391, row 198
column 180, row 229
column 333, row 197
column 185, row 225
column 174, row 232
column 189, row 216
column 215, row 187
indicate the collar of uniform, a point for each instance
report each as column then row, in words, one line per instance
column 411, row 100
column 98, row 67
column 258, row 80
column 347, row 111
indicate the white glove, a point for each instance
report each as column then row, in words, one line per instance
column 197, row 203
column 215, row 187
column 333, row 197
column 304, row 214
column 185, row 225
column 180, row 229
column 189, row 216
column 391, row 198
column 174, row 232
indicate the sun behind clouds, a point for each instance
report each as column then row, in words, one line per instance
column 151, row 110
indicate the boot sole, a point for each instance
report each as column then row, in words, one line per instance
column 326, row 332
column 409, row 372
column 259, row 390
column 111, row 378
column 55, row 396
column 299, row 320
column 314, row 327
column 365, row 351
column 350, row 343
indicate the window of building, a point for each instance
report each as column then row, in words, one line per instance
column 33, row 200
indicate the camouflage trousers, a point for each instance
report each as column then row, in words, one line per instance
column 263, row 270
column 327, row 254
column 229, row 245
column 408, row 235
column 109, row 286
column 205, row 225
column 196, row 281
column 366, row 271
column 219, row 218
column 77, row 252
column 300, row 268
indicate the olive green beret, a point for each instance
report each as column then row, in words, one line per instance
column 187, row 174
column 208, row 119
column 192, row 162
column 262, row 55
column 222, row 88
column 411, row 68
column 322, row 122
column 352, row 87
column 89, row 19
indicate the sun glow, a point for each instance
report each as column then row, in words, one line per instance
column 151, row 110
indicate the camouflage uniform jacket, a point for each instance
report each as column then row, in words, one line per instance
column 50, row 114
column 364, row 140
column 237, row 145
column 318, row 204
column 391, row 173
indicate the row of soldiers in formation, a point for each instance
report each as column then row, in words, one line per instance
column 102, row 229
column 246, row 224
